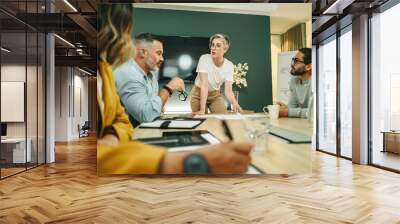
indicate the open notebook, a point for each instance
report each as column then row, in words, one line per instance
column 184, row 142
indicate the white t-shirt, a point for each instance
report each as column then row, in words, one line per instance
column 216, row 75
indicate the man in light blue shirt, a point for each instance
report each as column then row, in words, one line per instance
column 137, row 83
column 300, row 101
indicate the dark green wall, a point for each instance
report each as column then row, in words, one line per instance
column 250, row 42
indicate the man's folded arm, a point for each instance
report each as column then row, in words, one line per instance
column 138, row 104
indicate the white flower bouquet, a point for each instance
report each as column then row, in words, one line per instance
column 239, row 74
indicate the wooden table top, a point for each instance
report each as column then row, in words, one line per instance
column 278, row 157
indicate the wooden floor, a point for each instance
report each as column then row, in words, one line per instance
column 387, row 159
column 69, row 191
column 10, row 171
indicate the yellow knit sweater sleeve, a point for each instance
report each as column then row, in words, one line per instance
column 129, row 158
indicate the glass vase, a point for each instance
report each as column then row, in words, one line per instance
column 236, row 95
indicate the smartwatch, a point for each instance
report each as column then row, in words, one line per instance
column 195, row 164
column 168, row 89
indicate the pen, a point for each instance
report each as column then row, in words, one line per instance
column 226, row 129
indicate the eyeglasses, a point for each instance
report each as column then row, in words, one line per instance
column 295, row 61
column 182, row 95
column 215, row 46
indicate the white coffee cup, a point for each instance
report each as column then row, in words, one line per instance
column 273, row 111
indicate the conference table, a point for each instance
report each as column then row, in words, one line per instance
column 277, row 157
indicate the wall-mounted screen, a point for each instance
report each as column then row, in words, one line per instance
column 12, row 101
column 181, row 55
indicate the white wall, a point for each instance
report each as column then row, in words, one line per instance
column 71, row 93
column 275, row 49
column 309, row 33
column 13, row 72
column 80, row 100
column 62, row 81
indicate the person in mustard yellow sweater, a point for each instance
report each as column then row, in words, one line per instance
column 117, row 153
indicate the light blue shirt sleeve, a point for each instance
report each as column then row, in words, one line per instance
column 297, row 90
column 139, row 98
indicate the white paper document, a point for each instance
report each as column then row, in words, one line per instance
column 154, row 124
column 183, row 124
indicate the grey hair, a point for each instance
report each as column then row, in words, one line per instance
column 225, row 39
column 147, row 39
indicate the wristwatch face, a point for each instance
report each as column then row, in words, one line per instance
column 195, row 164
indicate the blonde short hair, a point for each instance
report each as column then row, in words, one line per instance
column 224, row 38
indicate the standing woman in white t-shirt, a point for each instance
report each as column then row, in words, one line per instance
column 212, row 71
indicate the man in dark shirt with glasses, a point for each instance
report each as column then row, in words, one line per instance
column 300, row 101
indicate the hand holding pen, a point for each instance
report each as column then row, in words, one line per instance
column 226, row 130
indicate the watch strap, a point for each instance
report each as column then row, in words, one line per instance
column 168, row 89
